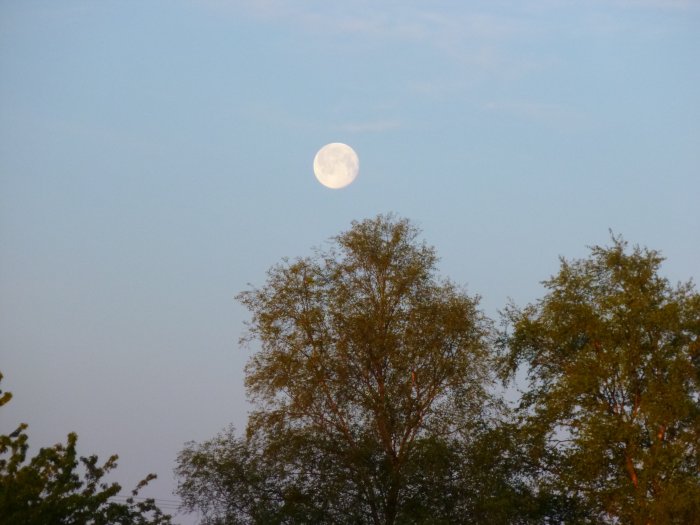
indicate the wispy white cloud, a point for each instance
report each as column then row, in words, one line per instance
column 472, row 36
column 504, row 39
column 444, row 26
column 372, row 126
column 540, row 5
column 544, row 113
column 661, row 4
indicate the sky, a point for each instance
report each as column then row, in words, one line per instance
column 156, row 159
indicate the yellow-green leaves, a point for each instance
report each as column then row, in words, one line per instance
column 614, row 384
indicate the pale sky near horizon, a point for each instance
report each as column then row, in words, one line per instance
column 155, row 157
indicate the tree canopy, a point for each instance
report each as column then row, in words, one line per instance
column 613, row 356
column 56, row 486
column 374, row 388
column 374, row 400
column 370, row 372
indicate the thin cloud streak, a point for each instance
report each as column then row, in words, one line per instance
column 376, row 126
column 661, row 4
column 474, row 37
column 550, row 114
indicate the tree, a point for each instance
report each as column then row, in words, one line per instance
column 480, row 479
column 50, row 487
column 613, row 357
column 370, row 368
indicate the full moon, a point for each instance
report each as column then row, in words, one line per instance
column 336, row 165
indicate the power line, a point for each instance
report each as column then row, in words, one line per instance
column 162, row 503
column 142, row 498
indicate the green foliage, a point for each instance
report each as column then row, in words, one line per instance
column 238, row 480
column 58, row 487
column 370, row 381
column 613, row 356
column 230, row 480
column 371, row 378
column 364, row 353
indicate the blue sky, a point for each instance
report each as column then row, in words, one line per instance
column 155, row 157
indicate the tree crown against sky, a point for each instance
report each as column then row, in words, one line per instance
column 367, row 328
column 57, row 486
column 368, row 365
column 612, row 353
column 371, row 374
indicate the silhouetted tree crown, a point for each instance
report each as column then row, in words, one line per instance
column 58, row 487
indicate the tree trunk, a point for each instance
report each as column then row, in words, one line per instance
column 392, row 503
column 631, row 471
